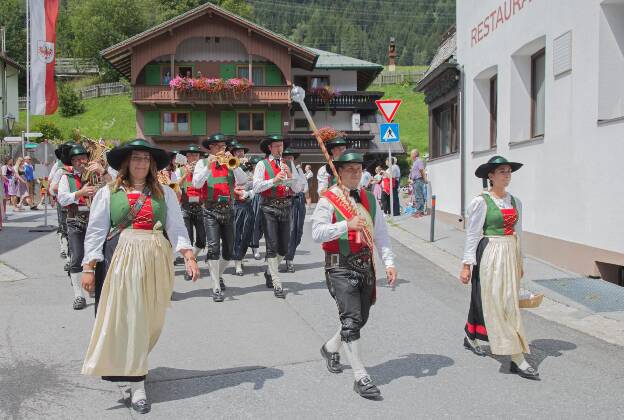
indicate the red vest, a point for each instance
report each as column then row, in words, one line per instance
column 353, row 246
column 145, row 217
column 386, row 184
column 75, row 183
column 188, row 190
column 270, row 171
column 220, row 183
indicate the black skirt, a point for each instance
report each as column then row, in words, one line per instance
column 475, row 325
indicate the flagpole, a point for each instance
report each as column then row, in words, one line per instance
column 28, row 40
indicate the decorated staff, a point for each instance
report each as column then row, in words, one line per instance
column 127, row 263
column 337, row 222
column 335, row 145
column 275, row 180
column 243, row 210
column 191, row 200
column 493, row 262
column 219, row 174
column 297, row 213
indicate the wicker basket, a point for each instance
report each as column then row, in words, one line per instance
column 531, row 301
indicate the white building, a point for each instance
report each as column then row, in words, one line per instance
column 9, row 70
column 540, row 82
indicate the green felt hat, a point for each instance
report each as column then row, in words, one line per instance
column 494, row 162
column 75, row 150
column 255, row 159
column 349, row 156
column 118, row 154
column 290, row 152
column 63, row 148
column 215, row 138
column 264, row 144
column 338, row 141
column 235, row 145
column 191, row 148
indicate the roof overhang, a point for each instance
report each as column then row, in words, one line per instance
column 11, row 62
column 430, row 77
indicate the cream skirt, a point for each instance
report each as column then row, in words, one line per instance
column 500, row 275
column 131, row 313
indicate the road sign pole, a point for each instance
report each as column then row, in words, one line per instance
column 391, row 181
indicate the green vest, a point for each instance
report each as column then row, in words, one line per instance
column 494, row 225
column 120, row 206
column 369, row 204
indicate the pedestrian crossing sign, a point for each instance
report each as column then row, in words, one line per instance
column 389, row 133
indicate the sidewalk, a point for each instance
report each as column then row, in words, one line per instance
column 592, row 306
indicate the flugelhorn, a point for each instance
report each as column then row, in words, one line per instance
column 227, row 159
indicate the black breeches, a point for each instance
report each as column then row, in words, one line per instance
column 276, row 227
column 194, row 222
column 219, row 225
column 243, row 228
column 385, row 202
column 257, row 227
column 76, row 236
column 353, row 292
column 297, row 219
column 62, row 221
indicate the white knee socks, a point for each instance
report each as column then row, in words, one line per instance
column 222, row 266
column 519, row 360
column 273, row 264
column 352, row 350
column 76, row 281
column 138, row 391
column 213, row 266
column 335, row 343
column 196, row 251
column 239, row 266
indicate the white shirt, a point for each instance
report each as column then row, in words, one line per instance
column 322, row 179
column 200, row 175
column 112, row 172
column 366, row 179
column 57, row 165
column 260, row 184
column 248, row 186
column 302, row 176
column 476, row 213
column 99, row 224
column 65, row 197
column 323, row 230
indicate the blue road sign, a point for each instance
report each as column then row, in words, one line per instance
column 389, row 133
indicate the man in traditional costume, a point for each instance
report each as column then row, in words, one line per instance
column 221, row 193
column 493, row 262
column 297, row 213
column 127, row 263
column 342, row 224
column 324, row 178
column 275, row 180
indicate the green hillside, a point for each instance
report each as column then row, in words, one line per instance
column 110, row 117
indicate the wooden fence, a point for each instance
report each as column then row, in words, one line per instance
column 93, row 91
column 398, row 77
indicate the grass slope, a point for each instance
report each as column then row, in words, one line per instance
column 110, row 117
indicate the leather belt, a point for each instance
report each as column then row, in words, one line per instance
column 361, row 261
column 279, row 203
column 215, row 205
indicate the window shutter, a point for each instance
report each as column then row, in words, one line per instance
column 152, row 74
column 228, row 122
column 198, row 123
column 228, row 71
column 151, row 123
column 273, row 76
column 274, row 122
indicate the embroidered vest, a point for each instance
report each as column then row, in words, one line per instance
column 499, row 222
column 188, row 190
column 153, row 210
column 220, row 182
column 347, row 243
column 75, row 183
column 270, row 171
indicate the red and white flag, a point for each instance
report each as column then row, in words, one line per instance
column 43, row 99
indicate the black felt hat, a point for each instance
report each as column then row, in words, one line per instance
column 264, row 144
column 494, row 162
column 118, row 154
column 75, row 150
column 63, row 148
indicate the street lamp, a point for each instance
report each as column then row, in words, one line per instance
column 10, row 122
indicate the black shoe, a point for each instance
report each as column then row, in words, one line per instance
column 142, row 407
column 34, row 208
column 269, row 280
column 366, row 388
column 332, row 359
column 222, row 284
column 279, row 293
column 290, row 267
column 187, row 276
column 528, row 373
column 178, row 261
column 218, row 296
column 80, row 303
column 476, row 349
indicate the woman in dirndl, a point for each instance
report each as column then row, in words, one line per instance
column 129, row 264
column 493, row 260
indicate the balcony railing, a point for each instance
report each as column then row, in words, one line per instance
column 356, row 100
column 257, row 95
column 304, row 140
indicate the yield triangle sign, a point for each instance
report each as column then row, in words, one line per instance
column 388, row 107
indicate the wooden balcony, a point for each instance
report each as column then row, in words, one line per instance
column 264, row 95
column 304, row 140
column 355, row 100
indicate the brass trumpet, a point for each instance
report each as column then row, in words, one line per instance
column 164, row 179
column 227, row 159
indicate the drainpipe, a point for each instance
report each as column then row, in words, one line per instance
column 462, row 146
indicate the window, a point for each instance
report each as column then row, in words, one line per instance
column 165, row 75
column 317, row 82
column 538, row 97
column 185, row 71
column 258, row 74
column 610, row 45
column 301, row 124
column 251, row 122
column 493, row 110
column 444, row 129
column 176, row 123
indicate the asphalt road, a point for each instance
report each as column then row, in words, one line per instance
column 254, row 356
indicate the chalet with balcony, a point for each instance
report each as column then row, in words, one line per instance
column 214, row 50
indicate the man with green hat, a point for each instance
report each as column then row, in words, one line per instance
column 73, row 194
column 297, row 213
column 243, row 210
column 276, row 181
column 336, row 147
column 58, row 169
column 191, row 200
column 221, row 184
column 344, row 224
